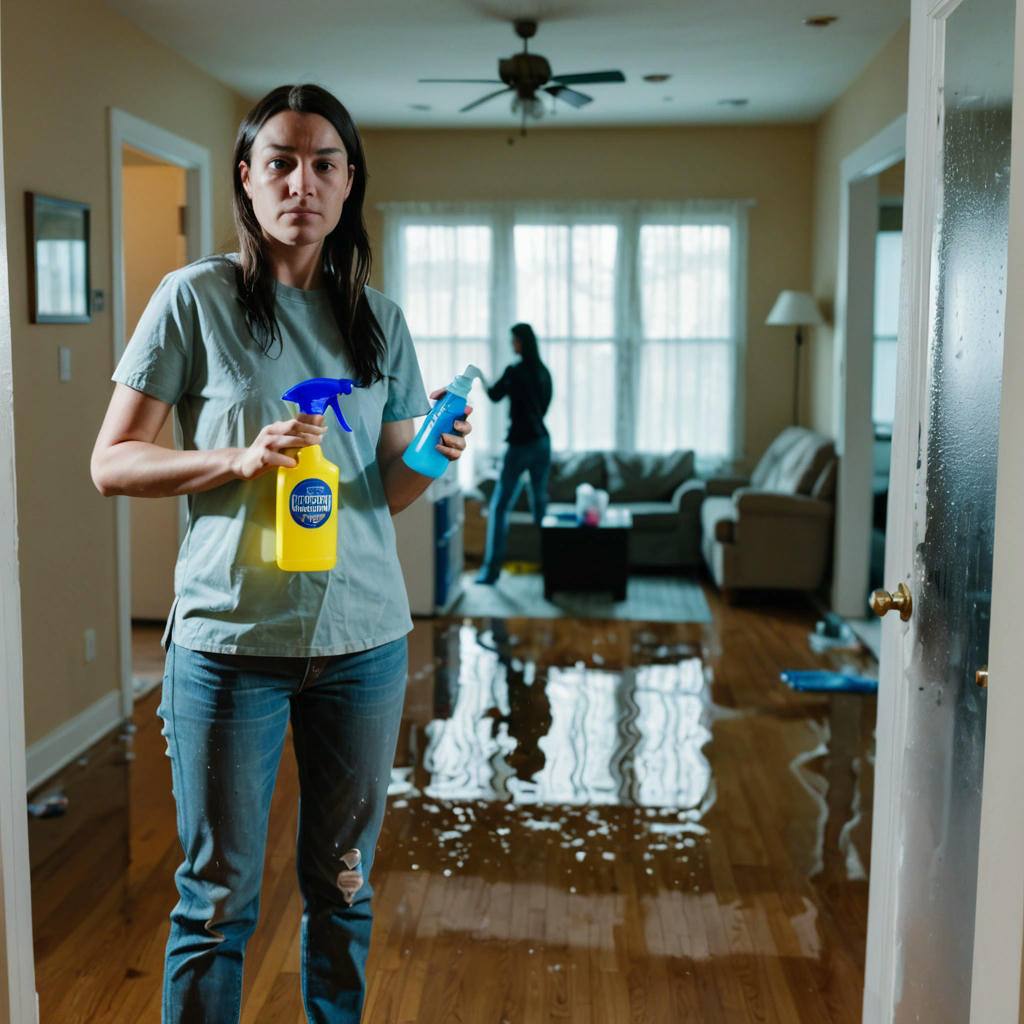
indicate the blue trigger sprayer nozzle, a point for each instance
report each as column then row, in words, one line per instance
column 316, row 395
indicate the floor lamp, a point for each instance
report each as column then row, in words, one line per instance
column 799, row 310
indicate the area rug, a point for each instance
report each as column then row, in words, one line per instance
column 648, row 599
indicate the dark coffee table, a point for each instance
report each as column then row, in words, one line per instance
column 576, row 557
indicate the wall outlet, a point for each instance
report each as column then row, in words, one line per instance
column 64, row 362
column 90, row 644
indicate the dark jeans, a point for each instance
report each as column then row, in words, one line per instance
column 534, row 459
column 225, row 719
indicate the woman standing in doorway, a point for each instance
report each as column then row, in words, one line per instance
column 251, row 648
column 527, row 383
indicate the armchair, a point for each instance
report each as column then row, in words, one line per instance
column 775, row 530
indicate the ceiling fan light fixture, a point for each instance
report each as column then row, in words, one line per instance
column 528, row 106
column 659, row 77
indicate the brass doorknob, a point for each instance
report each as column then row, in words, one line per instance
column 981, row 677
column 882, row 602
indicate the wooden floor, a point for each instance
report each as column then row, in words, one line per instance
column 601, row 822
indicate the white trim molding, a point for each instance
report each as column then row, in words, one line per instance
column 59, row 748
column 17, row 967
column 853, row 363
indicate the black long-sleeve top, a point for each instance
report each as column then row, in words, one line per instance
column 529, row 394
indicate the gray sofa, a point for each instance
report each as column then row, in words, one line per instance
column 660, row 490
column 773, row 530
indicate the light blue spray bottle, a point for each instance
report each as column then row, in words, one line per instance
column 422, row 454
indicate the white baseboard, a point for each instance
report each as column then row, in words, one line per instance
column 59, row 748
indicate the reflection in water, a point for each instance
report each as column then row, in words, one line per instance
column 603, row 807
column 550, row 735
column 531, row 732
column 568, row 791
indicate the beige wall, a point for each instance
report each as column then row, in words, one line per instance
column 890, row 181
column 873, row 101
column 153, row 246
column 64, row 64
column 771, row 165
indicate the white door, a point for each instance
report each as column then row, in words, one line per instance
column 941, row 525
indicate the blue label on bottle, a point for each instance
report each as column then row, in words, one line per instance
column 310, row 503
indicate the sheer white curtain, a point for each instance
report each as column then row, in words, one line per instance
column 570, row 288
column 691, row 290
column 440, row 265
column 639, row 308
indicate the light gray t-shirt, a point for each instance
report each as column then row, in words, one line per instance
column 192, row 349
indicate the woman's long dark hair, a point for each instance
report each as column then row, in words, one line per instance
column 346, row 252
column 528, row 347
column 529, row 351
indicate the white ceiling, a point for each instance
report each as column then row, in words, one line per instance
column 370, row 53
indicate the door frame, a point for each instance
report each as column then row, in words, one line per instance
column 854, row 362
column 126, row 129
column 17, row 961
column 997, row 988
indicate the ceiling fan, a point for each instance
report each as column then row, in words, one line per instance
column 525, row 73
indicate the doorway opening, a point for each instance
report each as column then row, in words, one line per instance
column 153, row 216
column 161, row 219
column 872, row 182
column 888, row 261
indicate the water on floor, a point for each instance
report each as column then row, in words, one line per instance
column 645, row 765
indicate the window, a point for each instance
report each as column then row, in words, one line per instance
column 686, row 349
column 888, row 255
column 446, row 298
column 565, row 289
column 639, row 310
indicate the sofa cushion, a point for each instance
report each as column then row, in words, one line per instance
column 793, row 462
column 647, row 476
column 570, row 469
column 652, row 515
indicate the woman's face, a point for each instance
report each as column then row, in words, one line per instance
column 517, row 346
column 298, row 178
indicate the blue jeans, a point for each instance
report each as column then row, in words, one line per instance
column 533, row 458
column 225, row 719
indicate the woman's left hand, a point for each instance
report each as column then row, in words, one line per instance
column 451, row 446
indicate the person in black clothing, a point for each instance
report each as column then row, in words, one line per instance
column 527, row 383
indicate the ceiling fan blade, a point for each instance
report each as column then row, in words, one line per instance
column 483, row 99
column 590, row 78
column 571, row 96
column 481, row 81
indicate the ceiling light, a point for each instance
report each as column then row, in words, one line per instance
column 738, row 101
column 657, row 78
column 529, row 106
column 820, row 21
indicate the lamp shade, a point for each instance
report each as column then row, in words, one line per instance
column 794, row 309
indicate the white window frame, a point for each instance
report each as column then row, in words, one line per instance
column 627, row 337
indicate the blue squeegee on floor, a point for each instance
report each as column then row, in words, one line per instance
column 818, row 681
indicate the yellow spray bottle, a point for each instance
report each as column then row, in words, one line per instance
column 307, row 494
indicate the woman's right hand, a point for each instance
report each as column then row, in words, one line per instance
column 274, row 442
